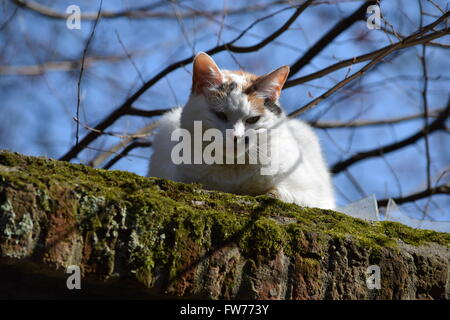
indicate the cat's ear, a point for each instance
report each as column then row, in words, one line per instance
column 271, row 84
column 206, row 73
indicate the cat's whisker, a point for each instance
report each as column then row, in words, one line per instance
column 262, row 153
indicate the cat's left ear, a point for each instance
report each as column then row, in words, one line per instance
column 271, row 84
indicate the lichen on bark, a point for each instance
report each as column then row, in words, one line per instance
column 177, row 239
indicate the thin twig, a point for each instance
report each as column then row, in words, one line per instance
column 130, row 57
column 100, row 158
column 368, row 123
column 126, row 151
column 55, row 66
column 9, row 19
column 112, row 134
column 423, row 63
column 82, row 69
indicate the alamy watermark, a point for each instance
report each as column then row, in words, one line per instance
column 208, row 147
column 73, row 20
column 373, row 280
column 374, row 20
column 74, row 280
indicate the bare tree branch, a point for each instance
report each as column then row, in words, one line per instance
column 68, row 65
column 8, row 20
column 146, row 113
column 368, row 123
column 335, row 31
column 123, row 109
column 429, row 44
column 126, row 151
column 145, row 12
column 101, row 157
column 141, row 12
column 369, row 65
column 362, row 58
column 437, row 124
column 112, row 134
column 442, row 189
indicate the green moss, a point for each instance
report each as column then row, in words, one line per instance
column 308, row 266
column 8, row 159
column 171, row 223
column 264, row 238
column 415, row 237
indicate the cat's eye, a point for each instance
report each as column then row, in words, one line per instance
column 221, row 115
column 252, row 120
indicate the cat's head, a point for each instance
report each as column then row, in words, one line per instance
column 236, row 100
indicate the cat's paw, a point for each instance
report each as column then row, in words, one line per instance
column 273, row 193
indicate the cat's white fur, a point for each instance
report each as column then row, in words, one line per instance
column 300, row 174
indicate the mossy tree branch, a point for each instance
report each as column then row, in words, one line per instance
column 152, row 236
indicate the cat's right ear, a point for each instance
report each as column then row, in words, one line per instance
column 206, row 73
column 272, row 83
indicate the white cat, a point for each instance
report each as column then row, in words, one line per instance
column 235, row 102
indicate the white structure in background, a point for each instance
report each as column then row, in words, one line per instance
column 367, row 209
column 393, row 213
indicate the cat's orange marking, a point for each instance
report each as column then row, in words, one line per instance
column 256, row 101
